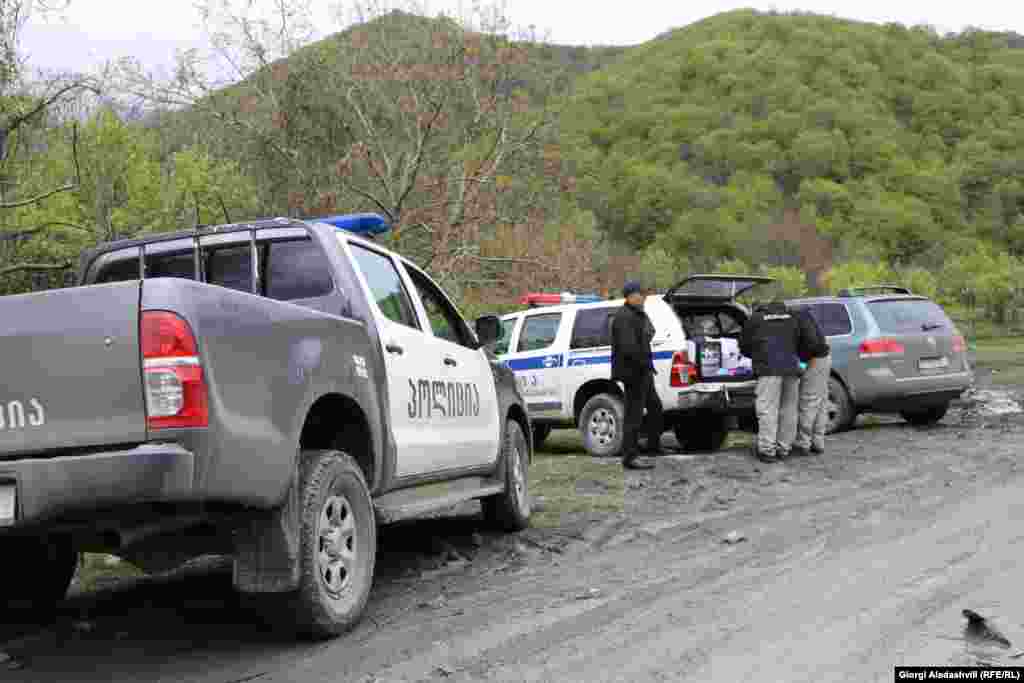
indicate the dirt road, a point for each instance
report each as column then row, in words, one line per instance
column 849, row 564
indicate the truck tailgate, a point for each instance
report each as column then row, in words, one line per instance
column 70, row 371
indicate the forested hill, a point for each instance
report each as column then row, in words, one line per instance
column 898, row 144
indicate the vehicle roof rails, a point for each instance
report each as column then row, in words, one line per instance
column 858, row 291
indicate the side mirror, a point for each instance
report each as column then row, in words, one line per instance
column 488, row 329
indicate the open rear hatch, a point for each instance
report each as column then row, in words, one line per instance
column 715, row 355
column 713, row 289
column 72, row 374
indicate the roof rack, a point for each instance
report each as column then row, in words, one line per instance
column 858, row 291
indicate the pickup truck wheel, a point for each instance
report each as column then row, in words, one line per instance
column 338, row 544
column 511, row 510
column 540, row 434
column 925, row 417
column 38, row 580
column 601, row 424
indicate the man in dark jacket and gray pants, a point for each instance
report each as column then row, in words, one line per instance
column 771, row 339
column 633, row 365
column 813, row 401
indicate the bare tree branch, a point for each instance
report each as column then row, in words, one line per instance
column 21, row 267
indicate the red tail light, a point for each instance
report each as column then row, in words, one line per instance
column 959, row 344
column 176, row 392
column 880, row 348
column 683, row 372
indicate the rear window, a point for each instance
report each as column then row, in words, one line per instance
column 297, row 269
column 895, row 316
column 592, row 328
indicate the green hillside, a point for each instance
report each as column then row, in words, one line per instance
column 899, row 145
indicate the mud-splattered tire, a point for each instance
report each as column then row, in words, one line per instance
column 602, row 421
column 337, row 545
column 510, row 510
column 925, row 417
column 841, row 414
column 35, row 574
column 540, row 434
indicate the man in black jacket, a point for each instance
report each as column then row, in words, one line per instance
column 633, row 365
column 771, row 339
column 813, row 401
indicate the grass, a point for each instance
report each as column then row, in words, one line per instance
column 1005, row 355
column 571, row 482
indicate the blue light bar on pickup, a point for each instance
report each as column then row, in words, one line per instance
column 358, row 223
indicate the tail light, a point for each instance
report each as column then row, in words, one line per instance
column 880, row 348
column 959, row 344
column 176, row 392
column 683, row 371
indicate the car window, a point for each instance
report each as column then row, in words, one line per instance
column 444, row 320
column 120, row 271
column 896, row 316
column 592, row 328
column 230, row 267
column 507, row 327
column 539, row 331
column 296, row 269
column 181, row 265
column 385, row 285
column 833, row 319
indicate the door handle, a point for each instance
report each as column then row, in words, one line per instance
column 450, row 361
column 395, row 348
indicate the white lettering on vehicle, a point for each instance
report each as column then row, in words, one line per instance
column 13, row 414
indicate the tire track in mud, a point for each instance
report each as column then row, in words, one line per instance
column 530, row 637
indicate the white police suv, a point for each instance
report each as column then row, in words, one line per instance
column 560, row 352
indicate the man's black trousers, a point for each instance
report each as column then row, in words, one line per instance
column 641, row 394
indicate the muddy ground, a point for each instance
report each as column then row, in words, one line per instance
column 841, row 567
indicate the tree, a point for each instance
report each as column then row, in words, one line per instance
column 438, row 124
column 30, row 112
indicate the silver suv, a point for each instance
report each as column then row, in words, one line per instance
column 892, row 352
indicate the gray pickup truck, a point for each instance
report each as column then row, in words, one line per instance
column 271, row 391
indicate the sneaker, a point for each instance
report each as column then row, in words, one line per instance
column 798, row 452
column 818, row 450
column 763, row 457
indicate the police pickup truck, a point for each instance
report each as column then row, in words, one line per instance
column 271, row 391
column 561, row 356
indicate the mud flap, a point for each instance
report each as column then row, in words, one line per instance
column 267, row 548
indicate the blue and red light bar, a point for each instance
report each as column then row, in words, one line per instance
column 534, row 299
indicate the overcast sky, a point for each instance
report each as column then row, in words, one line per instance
column 92, row 31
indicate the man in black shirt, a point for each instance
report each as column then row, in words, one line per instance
column 633, row 365
column 771, row 339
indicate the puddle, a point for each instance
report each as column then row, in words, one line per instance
column 992, row 402
column 993, row 641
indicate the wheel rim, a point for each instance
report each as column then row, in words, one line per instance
column 336, row 534
column 518, row 466
column 833, row 412
column 603, row 427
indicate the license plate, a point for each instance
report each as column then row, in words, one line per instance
column 933, row 363
column 8, row 500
